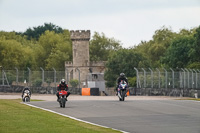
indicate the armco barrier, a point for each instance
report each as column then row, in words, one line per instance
column 90, row 92
column 94, row 91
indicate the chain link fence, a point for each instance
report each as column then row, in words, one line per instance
column 166, row 82
column 183, row 82
column 38, row 81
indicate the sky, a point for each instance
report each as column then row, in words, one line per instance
column 128, row 21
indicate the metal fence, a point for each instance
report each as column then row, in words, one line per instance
column 38, row 81
column 170, row 82
column 31, row 78
column 167, row 82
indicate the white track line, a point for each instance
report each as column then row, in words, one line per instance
column 73, row 117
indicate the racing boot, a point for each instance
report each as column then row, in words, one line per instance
column 116, row 91
column 58, row 99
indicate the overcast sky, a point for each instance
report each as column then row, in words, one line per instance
column 129, row 21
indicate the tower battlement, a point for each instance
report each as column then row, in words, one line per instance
column 80, row 35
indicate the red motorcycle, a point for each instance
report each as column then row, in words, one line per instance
column 62, row 99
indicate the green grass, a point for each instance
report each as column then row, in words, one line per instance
column 20, row 118
column 195, row 99
column 31, row 100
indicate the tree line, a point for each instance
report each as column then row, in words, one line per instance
column 49, row 46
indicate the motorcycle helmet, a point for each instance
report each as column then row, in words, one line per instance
column 122, row 75
column 62, row 81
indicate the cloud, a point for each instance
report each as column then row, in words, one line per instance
column 129, row 21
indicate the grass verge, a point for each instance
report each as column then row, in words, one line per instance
column 17, row 117
column 195, row 99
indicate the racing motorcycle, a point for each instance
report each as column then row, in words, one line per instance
column 26, row 96
column 122, row 89
column 62, row 99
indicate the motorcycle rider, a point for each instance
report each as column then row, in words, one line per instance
column 62, row 86
column 121, row 77
column 26, row 88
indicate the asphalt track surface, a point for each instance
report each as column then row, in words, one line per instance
column 134, row 116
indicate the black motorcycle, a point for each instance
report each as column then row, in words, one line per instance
column 122, row 89
column 26, row 96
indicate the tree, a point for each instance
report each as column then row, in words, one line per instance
column 194, row 65
column 11, row 54
column 197, row 44
column 154, row 49
column 180, row 53
column 53, row 50
column 36, row 32
column 183, row 50
column 15, row 51
column 164, row 36
column 123, row 60
column 101, row 47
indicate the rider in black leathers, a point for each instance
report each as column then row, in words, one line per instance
column 26, row 88
column 62, row 86
column 122, row 77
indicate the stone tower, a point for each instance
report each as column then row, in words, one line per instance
column 80, row 47
column 81, row 60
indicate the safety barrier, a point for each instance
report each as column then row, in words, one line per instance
column 90, row 92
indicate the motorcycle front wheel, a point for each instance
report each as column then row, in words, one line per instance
column 27, row 99
column 63, row 101
column 123, row 93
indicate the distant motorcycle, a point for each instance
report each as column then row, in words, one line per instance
column 122, row 89
column 26, row 96
column 62, row 99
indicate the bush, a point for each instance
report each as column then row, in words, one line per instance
column 37, row 82
column 132, row 81
column 11, row 77
column 74, row 83
column 194, row 65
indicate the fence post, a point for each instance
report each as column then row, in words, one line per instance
column 158, row 78
column 199, row 78
column 137, row 77
column 165, row 77
column 42, row 75
column 79, row 76
column 192, row 78
column 29, row 76
column 188, row 77
column 67, row 75
column 2, row 75
column 172, row 77
column 183, row 77
column 144, row 77
column 17, row 75
column 54, row 76
column 195, row 78
column 151, row 78
column 180, row 79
